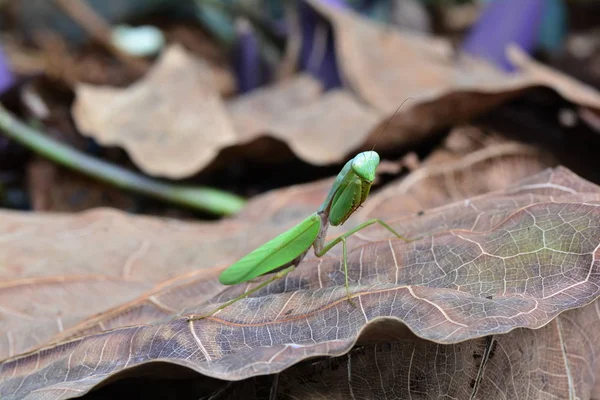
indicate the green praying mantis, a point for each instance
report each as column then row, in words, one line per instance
column 282, row 254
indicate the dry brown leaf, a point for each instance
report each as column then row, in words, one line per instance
column 172, row 122
column 510, row 259
column 109, row 249
column 254, row 113
column 60, row 268
column 557, row 361
column 320, row 129
column 535, row 73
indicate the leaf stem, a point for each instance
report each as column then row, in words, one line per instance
column 196, row 197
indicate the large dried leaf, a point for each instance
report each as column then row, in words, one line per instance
column 171, row 122
column 506, row 260
column 556, row 361
column 126, row 256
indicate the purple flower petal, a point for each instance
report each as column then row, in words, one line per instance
column 501, row 23
column 317, row 55
column 6, row 82
column 6, row 77
column 281, row 28
column 247, row 62
column 335, row 3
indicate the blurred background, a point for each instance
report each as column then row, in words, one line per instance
column 186, row 108
column 113, row 112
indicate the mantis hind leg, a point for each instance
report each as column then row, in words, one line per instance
column 342, row 238
column 278, row 275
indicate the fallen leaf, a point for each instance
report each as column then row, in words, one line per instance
column 535, row 73
column 124, row 249
column 172, row 122
column 521, row 364
column 524, row 363
column 432, row 296
column 254, row 113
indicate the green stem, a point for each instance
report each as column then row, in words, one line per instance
column 195, row 197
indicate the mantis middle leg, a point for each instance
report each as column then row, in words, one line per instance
column 342, row 238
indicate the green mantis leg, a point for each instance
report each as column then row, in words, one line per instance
column 278, row 275
column 345, row 260
column 342, row 238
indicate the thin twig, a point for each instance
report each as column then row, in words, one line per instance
column 196, row 197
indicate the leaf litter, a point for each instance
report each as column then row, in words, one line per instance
column 550, row 216
column 379, row 77
column 465, row 311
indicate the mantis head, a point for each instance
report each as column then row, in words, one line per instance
column 365, row 164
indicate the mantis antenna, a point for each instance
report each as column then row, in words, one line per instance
column 387, row 123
